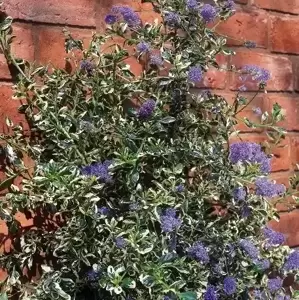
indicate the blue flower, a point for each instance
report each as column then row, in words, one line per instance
column 86, row 66
column 128, row 15
column 267, row 188
column 110, row 19
column 146, row 109
column 229, row 285
column 120, row 242
column 239, row 193
column 211, row 293
column 274, row 284
column 257, row 73
column 292, row 262
column 195, row 74
column 247, row 152
column 199, row 252
column 105, row 211
column 92, row 275
column 192, row 5
column 257, row 111
column 172, row 19
column 249, row 248
column 259, row 295
column 208, row 13
column 273, row 238
column 245, row 211
column 229, row 4
column 134, row 206
column 100, row 170
column 142, row 47
column 250, row 44
column 169, row 220
column 156, row 60
column 262, row 264
column 180, row 188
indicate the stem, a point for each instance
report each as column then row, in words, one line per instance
column 247, row 103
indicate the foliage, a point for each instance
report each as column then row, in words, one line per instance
column 133, row 192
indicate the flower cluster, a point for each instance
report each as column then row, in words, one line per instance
column 229, row 285
column 292, row 261
column 247, row 152
column 146, row 109
column 156, row 60
column 120, row 242
column 249, row 248
column 211, row 293
column 143, row 47
column 169, row 220
column 124, row 13
column 192, row 5
column 266, row 188
column 195, row 74
column 172, row 19
column 274, row 284
column 257, row 73
column 208, row 13
column 239, row 193
column 199, row 252
column 273, row 238
column 99, row 170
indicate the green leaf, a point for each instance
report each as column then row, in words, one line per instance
column 6, row 24
column 3, row 296
column 188, row 296
column 129, row 283
column 168, row 120
column 7, row 182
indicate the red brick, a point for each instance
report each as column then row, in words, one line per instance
column 284, row 34
column 290, row 6
column 243, row 26
column 50, row 44
column 216, row 78
column 281, row 155
column 279, row 67
column 294, row 139
column 9, row 108
column 291, row 106
column 23, row 44
column 75, row 12
column 289, row 226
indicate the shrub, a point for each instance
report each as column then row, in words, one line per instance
column 136, row 192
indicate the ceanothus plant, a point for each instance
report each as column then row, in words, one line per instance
column 135, row 190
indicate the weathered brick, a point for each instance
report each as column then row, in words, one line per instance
column 289, row 226
column 294, row 139
column 50, row 44
column 291, row 106
column 284, row 34
column 216, row 78
column 23, row 44
column 290, row 6
column 279, row 67
column 245, row 26
column 75, row 12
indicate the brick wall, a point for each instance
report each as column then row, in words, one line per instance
column 272, row 24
